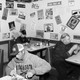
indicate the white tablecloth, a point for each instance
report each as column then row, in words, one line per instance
column 10, row 78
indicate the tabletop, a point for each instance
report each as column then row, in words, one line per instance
column 13, row 78
column 40, row 47
column 74, row 59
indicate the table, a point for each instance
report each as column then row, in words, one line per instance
column 10, row 78
column 34, row 49
column 74, row 59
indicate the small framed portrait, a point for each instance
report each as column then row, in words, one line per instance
column 48, row 27
column 73, row 22
column 11, row 25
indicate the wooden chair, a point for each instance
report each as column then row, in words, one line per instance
column 1, row 62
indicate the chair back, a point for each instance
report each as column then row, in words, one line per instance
column 1, row 62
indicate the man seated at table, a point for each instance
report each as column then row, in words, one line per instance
column 22, row 38
column 26, row 64
column 64, row 49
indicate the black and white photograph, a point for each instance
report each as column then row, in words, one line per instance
column 9, row 4
column 49, row 13
column 21, row 5
column 48, row 27
column 6, row 35
column 11, row 25
column 40, row 14
column 5, row 14
column 40, row 39
column 13, row 12
column 58, row 19
column 22, row 15
column 53, row 36
column 0, row 6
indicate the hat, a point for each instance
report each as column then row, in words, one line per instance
column 17, row 48
column 23, row 32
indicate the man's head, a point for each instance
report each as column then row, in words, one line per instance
column 23, row 33
column 65, row 38
column 18, row 50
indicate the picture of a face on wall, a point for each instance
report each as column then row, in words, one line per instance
column 72, row 23
column 9, row 4
column 11, row 25
column 49, row 13
column 48, row 27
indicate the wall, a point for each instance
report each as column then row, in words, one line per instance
column 63, row 12
column 41, row 14
column 16, row 16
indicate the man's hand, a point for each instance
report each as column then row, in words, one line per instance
column 29, row 75
column 13, row 72
column 73, row 49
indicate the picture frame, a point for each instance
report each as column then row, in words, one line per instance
column 73, row 22
column 48, row 27
column 11, row 25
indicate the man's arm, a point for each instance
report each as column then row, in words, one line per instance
column 10, row 67
column 74, row 47
column 41, row 66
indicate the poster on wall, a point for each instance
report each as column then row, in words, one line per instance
column 22, row 15
column 58, row 19
column 32, row 14
column 71, row 2
column 73, row 22
column 40, row 14
column 39, row 33
column 10, row 0
column 21, row 5
column 9, row 4
column 35, row 6
column 76, row 13
column 11, row 25
column 13, row 12
column 76, row 37
column 5, row 14
column 48, row 27
column 49, row 13
column 53, row 36
column 5, row 35
column 54, row 3
column 0, row 6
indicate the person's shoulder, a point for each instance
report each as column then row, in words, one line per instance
column 59, row 43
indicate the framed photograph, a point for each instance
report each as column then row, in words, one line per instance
column 13, row 11
column 11, row 25
column 22, row 15
column 48, row 27
column 0, row 6
column 9, row 4
column 73, row 22
column 39, row 33
column 49, row 13
column 40, row 14
column 5, row 35
column 58, row 19
column 53, row 36
column 5, row 14
column 76, row 13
